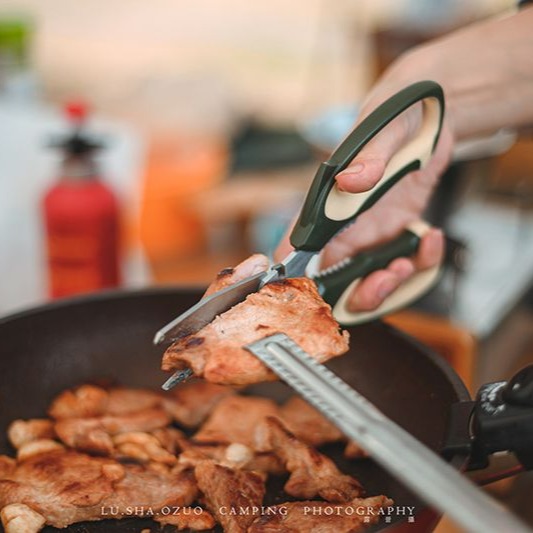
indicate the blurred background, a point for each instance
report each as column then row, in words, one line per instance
column 183, row 136
column 157, row 142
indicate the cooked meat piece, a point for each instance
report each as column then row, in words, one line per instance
column 228, row 491
column 86, row 435
column 234, row 419
column 19, row 518
column 141, row 447
column 190, row 403
column 122, row 401
column 84, row 401
column 292, row 306
column 234, row 455
column 354, row 451
column 295, row 517
column 307, row 424
column 170, row 439
column 37, row 446
column 312, row 474
column 21, row 432
column 94, row 434
column 193, row 518
column 67, row 487
column 91, row 401
column 7, row 465
column 249, row 267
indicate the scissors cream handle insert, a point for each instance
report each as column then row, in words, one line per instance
column 341, row 205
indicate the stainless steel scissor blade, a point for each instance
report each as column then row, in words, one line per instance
column 202, row 313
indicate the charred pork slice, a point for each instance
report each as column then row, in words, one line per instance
column 312, row 474
column 188, row 405
column 292, row 306
column 233, row 496
column 65, row 487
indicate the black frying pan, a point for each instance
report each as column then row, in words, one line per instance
column 57, row 346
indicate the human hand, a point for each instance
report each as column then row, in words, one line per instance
column 486, row 71
column 387, row 219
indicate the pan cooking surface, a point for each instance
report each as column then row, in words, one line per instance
column 49, row 349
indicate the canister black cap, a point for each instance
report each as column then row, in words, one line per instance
column 77, row 142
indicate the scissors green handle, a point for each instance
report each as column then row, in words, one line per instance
column 327, row 210
column 336, row 285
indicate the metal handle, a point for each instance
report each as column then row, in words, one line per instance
column 327, row 210
column 337, row 284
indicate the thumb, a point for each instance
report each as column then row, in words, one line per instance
column 369, row 165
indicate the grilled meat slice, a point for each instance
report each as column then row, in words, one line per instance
column 307, row 424
column 230, row 428
column 123, row 401
column 354, row 451
column 22, row 432
column 36, row 447
column 234, row 420
column 67, row 487
column 292, row 306
column 89, row 401
column 188, row 405
column 321, row 517
column 19, row 518
column 94, row 434
column 231, row 495
column 191, row 403
column 142, row 447
column 7, row 465
column 235, row 455
column 81, row 402
column 312, row 474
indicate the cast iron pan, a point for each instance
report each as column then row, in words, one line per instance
column 57, row 346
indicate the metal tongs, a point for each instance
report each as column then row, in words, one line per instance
column 327, row 211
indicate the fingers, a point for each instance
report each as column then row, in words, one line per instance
column 376, row 287
column 369, row 165
column 431, row 249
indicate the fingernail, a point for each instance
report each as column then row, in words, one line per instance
column 353, row 303
column 385, row 289
column 356, row 169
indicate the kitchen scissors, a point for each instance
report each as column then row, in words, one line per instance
column 327, row 211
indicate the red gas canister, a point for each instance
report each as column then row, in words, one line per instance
column 81, row 219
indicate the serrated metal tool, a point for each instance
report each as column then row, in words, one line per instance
column 401, row 454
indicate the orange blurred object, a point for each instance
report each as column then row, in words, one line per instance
column 176, row 171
